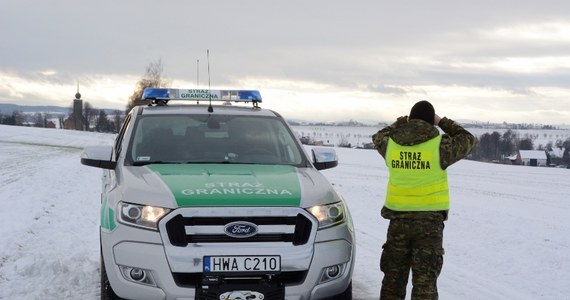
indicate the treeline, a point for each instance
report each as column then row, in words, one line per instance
column 506, row 125
column 94, row 119
column 19, row 118
column 499, row 147
column 98, row 119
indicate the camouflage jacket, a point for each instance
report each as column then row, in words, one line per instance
column 456, row 144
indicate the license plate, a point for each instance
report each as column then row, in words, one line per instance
column 270, row 263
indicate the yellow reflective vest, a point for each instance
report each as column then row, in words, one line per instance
column 417, row 181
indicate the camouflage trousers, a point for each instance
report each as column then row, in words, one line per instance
column 414, row 244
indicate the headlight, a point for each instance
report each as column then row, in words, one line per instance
column 145, row 216
column 328, row 215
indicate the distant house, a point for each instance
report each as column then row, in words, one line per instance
column 534, row 158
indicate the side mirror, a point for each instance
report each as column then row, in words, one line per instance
column 98, row 156
column 324, row 158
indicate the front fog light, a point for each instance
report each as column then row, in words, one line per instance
column 141, row 215
column 332, row 272
column 137, row 275
column 328, row 215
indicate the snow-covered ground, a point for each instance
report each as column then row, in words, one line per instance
column 507, row 237
column 357, row 136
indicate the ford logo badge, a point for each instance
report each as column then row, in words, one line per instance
column 240, row 229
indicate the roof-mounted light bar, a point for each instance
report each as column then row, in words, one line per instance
column 165, row 94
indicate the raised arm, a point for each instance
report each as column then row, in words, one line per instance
column 456, row 143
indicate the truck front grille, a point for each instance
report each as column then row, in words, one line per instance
column 199, row 229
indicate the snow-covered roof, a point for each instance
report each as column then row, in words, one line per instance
column 532, row 154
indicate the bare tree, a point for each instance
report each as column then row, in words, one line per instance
column 89, row 114
column 102, row 124
column 508, row 143
column 526, row 144
column 566, row 153
column 153, row 77
column 117, row 120
column 17, row 118
column 39, row 120
column 549, row 146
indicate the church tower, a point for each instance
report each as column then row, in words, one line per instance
column 78, row 110
column 76, row 120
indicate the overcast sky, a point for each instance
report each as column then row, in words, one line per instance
column 312, row 59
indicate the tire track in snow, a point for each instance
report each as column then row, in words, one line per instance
column 50, row 231
column 19, row 160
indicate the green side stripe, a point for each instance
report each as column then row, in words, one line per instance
column 107, row 216
column 231, row 184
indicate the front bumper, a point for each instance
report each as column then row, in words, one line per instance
column 176, row 271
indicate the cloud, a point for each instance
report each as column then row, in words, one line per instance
column 543, row 33
column 473, row 56
column 383, row 89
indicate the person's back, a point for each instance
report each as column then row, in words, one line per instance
column 417, row 197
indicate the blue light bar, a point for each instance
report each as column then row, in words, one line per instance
column 201, row 95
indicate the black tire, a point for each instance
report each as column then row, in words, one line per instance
column 107, row 292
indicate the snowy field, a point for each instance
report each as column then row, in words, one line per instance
column 359, row 135
column 508, row 234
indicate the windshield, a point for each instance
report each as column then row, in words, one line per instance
column 212, row 139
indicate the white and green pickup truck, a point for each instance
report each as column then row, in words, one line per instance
column 203, row 201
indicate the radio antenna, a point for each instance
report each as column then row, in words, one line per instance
column 210, row 108
column 197, row 73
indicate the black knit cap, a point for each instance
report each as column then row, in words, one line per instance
column 423, row 110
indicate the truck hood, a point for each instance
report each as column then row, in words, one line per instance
column 184, row 185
